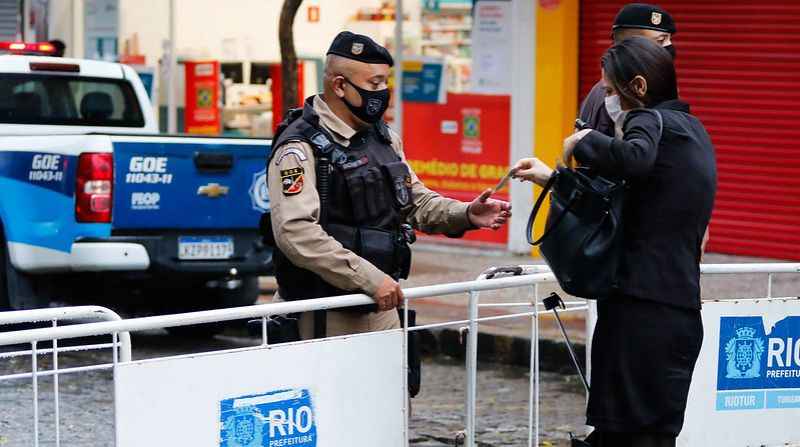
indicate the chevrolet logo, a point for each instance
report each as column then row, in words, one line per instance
column 212, row 190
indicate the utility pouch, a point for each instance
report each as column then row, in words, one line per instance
column 356, row 187
column 379, row 247
column 403, row 259
column 346, row 235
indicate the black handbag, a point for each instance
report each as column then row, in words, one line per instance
column 582, row 241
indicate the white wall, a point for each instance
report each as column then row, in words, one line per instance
column 235, row 29
column 523, row 116
column 150, row 20
column 60, row 18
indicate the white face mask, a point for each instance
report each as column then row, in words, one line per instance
column 614, row 107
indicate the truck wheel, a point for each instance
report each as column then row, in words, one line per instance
column 206, row 299
column 245, row 295
column 5, row 302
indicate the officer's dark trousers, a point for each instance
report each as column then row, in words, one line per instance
column 612, row 439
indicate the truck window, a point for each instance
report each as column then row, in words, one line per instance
column 68, row 101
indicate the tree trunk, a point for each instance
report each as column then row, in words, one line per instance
column 288, row 55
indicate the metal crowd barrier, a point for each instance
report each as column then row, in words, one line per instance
column 54, row 316
column 496, row 278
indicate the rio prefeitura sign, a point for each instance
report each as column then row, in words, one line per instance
column 746, row 387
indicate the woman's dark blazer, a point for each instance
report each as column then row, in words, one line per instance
column 670, row 168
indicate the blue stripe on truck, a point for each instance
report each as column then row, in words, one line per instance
column 55, row 172
column 37, row 206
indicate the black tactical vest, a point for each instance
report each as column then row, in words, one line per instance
column 363, row 190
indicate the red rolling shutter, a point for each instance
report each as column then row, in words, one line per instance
column 739, row 68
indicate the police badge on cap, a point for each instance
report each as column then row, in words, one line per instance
column 655, row 18
column 360, row 48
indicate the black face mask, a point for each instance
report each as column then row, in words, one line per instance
column 671, row 50
column 373, row 103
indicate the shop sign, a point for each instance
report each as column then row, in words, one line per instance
column 202, row 115
column 459, row 149
column 550, row 4
column 313, row 14
column 423, row 80
column 745, row 388
column 431, row 5
column 492, row 45
column 758, row 369
column 471, row 123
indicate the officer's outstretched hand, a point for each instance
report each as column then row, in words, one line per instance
column 389, row 295
column 484, row 212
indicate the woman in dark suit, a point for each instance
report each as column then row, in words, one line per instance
column 649, row 333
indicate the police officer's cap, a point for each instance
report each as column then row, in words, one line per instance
column 360, row 48
column 644, row 16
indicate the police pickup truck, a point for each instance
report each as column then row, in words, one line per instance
column 95, row 206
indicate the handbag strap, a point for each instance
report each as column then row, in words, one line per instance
column 539, row 201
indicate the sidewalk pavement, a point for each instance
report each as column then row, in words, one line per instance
column 438, row 264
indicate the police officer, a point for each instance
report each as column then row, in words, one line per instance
column 633, row 20
column 344, row 200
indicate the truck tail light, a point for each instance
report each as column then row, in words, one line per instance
column 93, row 191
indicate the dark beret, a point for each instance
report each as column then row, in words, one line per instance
column 644, row 16
column 360, row 48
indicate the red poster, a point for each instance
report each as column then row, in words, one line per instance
column 461, row 148
column 201, row 115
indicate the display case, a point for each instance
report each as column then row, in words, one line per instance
column 446, row 33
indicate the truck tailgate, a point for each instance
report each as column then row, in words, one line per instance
column 192, row 184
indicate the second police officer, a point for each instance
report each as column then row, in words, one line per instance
column 634, row 20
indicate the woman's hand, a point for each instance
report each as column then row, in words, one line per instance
column 570, row 142
column 533, row 170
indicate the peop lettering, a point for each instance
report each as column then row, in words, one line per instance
column 145, row 200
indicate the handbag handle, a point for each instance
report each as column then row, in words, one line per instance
column 539, row 201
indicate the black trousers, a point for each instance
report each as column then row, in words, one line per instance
column 612, row 439
column 643, row 357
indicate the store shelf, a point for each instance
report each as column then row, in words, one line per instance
column 445, row 42
column 447, row 27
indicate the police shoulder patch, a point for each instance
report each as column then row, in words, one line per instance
column 292, row 181
column 293, row 151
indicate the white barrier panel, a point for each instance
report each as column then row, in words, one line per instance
column 746, row 387
column 325, row 393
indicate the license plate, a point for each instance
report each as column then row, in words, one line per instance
column 205, row 247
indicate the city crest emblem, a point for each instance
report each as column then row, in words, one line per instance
column 655, row 18
column 243, row 430
column 401, row 190
column 743, row 353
